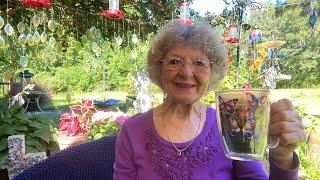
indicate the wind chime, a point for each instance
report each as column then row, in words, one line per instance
column 185, row 12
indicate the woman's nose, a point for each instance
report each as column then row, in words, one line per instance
column 186, row 69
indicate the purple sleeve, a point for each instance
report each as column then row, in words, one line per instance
column 288, row 174
column 124, row 167
column 247, row 170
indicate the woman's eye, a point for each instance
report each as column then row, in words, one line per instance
column 199, row 63
column 175, row 61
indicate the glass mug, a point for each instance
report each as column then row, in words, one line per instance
column 243, row 123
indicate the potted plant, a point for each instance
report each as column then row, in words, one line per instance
column 75, row 125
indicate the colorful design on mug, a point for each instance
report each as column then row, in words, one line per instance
column 241, row 122
column 256, row 101
column 228, row 106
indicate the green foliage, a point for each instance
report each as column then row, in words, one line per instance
column 14, row 121
column 106, row 128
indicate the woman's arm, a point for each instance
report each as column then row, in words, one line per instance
column 124, row 168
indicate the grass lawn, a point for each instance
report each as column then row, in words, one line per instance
column 308, row 98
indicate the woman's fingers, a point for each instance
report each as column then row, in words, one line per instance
column 285, row 127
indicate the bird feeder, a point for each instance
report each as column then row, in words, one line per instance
column 232, row 34
column 113, row 12
column 185, row 13
column 37, row 3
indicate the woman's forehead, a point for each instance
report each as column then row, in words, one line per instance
column 185, row 50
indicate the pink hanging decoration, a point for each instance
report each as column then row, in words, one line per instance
column 113, row 12
column 232, row 34
column 185, row 13
column 37, row 3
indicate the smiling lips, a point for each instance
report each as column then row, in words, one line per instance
column 185, row 85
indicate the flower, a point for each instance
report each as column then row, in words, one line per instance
column 75, row 123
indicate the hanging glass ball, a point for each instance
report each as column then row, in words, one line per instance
column 52, row 25
column 8, row 29
column 1, row 22
column 30, row 39
column 93, row 30
column 43, row 37
column 36, row 20
column 2, row 42
column 21, row 27
column 36, row 37
column 134, row 39
column 134, row 54
column 52, row 41
column 23, row 61
column 22, row 39
column 119, row 40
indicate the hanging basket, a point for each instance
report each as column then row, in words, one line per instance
column 113, row 14
column 37, row 3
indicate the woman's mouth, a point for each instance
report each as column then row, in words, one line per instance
column 185, row 85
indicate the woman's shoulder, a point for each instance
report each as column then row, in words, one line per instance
column 138, row 120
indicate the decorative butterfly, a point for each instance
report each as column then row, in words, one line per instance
column 243, row 116
column 256, row 101
column 228, row 106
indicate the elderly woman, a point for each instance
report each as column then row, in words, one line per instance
column 179, row 139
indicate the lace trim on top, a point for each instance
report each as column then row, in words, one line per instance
column 170, row 166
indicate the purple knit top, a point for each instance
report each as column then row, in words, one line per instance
column 141, row 153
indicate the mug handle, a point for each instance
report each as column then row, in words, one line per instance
column 274, row 139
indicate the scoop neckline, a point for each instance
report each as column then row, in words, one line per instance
column 181, row 144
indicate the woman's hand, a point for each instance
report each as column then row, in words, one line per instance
column 286, row 124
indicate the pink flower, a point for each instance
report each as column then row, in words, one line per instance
column 121, row 119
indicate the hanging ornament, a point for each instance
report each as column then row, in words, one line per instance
column 119, row 40
column 185, row 13
column 30, row 39
column 134, row 54
column 22, row 39
column 52, row 41
column 37, row 3
column 23, row 61
column 2, row 42
column 8, row 29
column 232, row 34
column 113, row 12
column 20, row 27
column 52, row 25
column 36, row 37
column 255, row 34
column 43, row 37
column 134, row 39
column 1, row 22
column 36, row 20
column 313, row 18
column 92, row 31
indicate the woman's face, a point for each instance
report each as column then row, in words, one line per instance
column 185, row 74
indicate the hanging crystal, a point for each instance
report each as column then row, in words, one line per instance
column 36, row 21
column 52, row 25
column 21, row 27
column 36, row 37
column 134, row 54
column 119, row 40
column 30, row 39
column 43, row 37
column 22, row 39
column 1, row 22
column 8, row 29
column 23, row 61
column 52, row 41
column 2, row 42
column 134, row 39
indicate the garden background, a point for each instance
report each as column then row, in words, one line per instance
column 84, row 55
